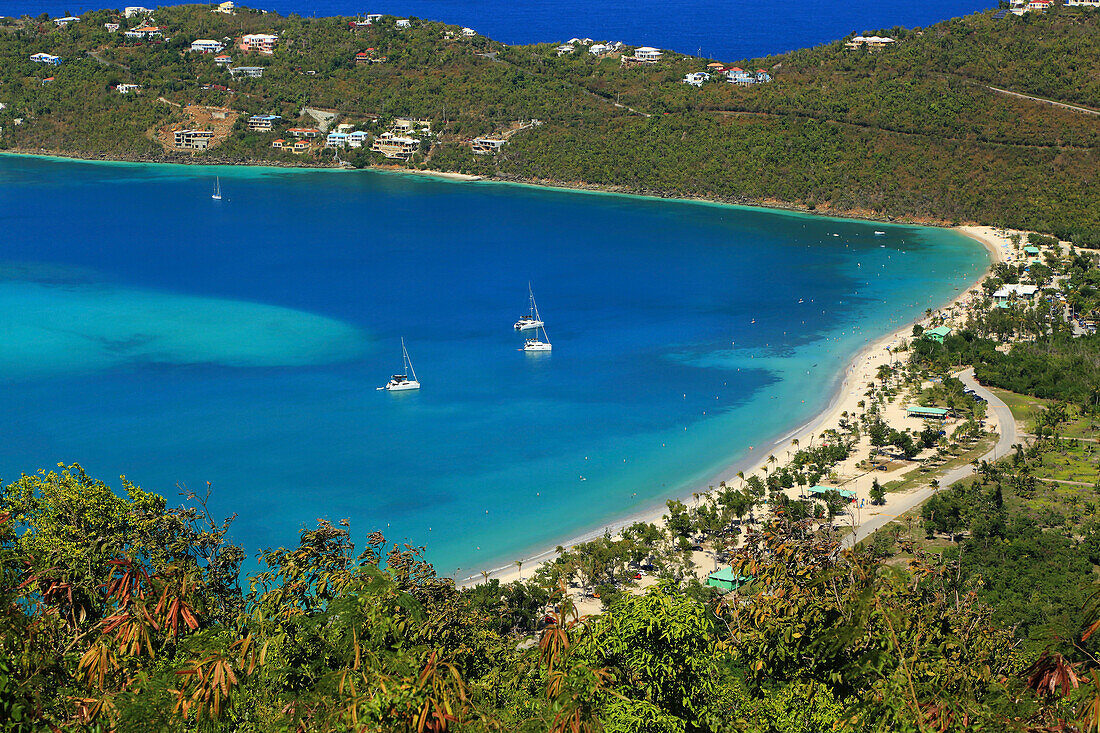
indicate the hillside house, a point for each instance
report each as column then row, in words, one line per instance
column 486, row 145
column 254, row 72
column 395, row 146
column 278, row 144
column 871, row 43
column 336, row 140
column 192, row 139
column 259, row 43
column 405, row 125
column 144, row 32
column 127, row 88
column 111, row 27
column 1038, row 6
column 262, row 123
column 469, row 32
column 357, row 139
column 696, row 79
column 300, row 146
column 134, row 10
column 225, row 8
column 303, row 132
column 647, row 53
column 565, row 48
column 403, row 23
column 46, row 58
column 599, row 49
column 62, row 22
column 206, row 45
column 223, row 60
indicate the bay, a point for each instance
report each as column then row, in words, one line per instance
column 723, row 30
column 150, row 331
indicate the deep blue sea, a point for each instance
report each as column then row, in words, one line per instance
column 150, row 331
column 715, row 28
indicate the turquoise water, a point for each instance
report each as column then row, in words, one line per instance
column 147, row 330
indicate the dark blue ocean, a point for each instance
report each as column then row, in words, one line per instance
column 715, row 28
column 150, row 331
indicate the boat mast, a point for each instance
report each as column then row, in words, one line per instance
column 408, row 361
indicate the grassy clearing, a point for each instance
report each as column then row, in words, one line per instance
column 1023, row 407
column 919, row 476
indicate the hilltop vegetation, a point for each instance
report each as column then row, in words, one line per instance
column 911, row 131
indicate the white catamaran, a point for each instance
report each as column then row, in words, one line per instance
column 531, row 320
column 401, row 382
column 217, row 189
column 537, row 344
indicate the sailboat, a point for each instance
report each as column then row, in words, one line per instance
column 537, row 344
column 531, row 320
column 401, row 382
column 217, row 189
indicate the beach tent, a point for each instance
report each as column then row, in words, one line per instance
column 725, row 579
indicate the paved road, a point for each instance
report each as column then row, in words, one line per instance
column 1063, row 105
column 898, row 504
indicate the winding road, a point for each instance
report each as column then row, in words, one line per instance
column 898, row 504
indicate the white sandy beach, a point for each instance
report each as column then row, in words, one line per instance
column 860, row 371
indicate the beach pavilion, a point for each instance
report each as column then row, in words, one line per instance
column 820, row 491
column 726, row 579
column 935, row 413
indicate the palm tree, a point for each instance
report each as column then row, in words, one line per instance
column 741, row 475
column 485, row 575
column 519, row 566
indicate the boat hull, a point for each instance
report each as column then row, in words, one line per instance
column 528, row 325
column 402, row 387
column 539, row 346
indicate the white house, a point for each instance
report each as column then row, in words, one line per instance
column 598, row 48
column 223, row 60
column 697, row 79
column 46, row 58
column 262, row 123
column 565, row 48
column 62, row 22
column 143, row 31
column 111, row 27
column 394, row 146
column 1084, row 3
column 205, row 45
column 357, row 139
column 336, row 140
column 127, row 88
column 1005, row 292
column 403, row 23
column 252, row 71
column 227, row 8
column 647, row 53
column 487, row 145
column 136, row 10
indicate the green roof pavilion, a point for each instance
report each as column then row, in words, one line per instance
column 918, row 411
column 726, row 580
column 821, row 490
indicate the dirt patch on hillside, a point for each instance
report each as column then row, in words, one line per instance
column 197, row 117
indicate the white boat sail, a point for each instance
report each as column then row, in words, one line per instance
column 217, row 189
column 401, row 382
column 531, row 320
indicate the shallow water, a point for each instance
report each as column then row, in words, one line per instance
column 147, row 330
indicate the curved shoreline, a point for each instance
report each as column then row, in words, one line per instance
column 863, row 361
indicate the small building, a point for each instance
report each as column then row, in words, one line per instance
column 206, row 45
column 49, row 80
column 345, row 127
column 144, row 31
column 262, row 123
column 395, row 146
column 1039, row 6
column 1015, row 290
column 127, row 88
column 725, row 579
column 821, row 491
column 740, row 77
column 697, row 79
column 598, row 49
column 133, row 10
column 403, row 23
column 300, row 146
column 408, row 124
column 937, row 334
column 303, row 132
column 1032, row 252
column 486, row 145
column 62, row 22
column 357, row 139
column 362, row 58
column 871, row 43
column 111, row 27
column 336, row 140
column 565, row 48
column 259, row 43
column 46, row 58
column 223, row 60
column 278, row 144
column 254, row 72
column 927, row 413
column 469, row 32
column 226, row 8
column 192, row 139
column 647, row 53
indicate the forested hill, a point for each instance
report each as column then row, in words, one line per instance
column 912, row 131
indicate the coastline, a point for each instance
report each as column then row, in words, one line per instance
column 844, row 398
column 854, row 215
